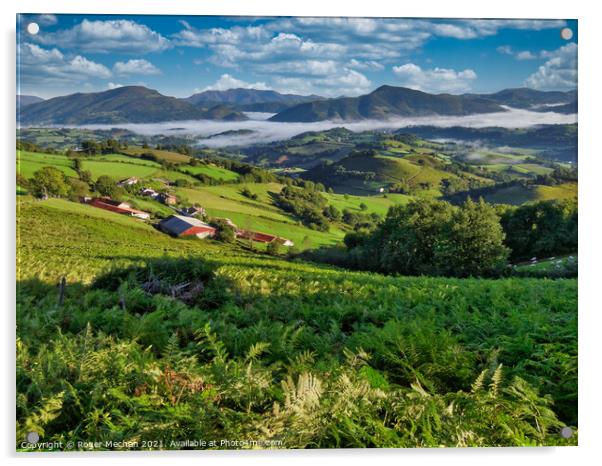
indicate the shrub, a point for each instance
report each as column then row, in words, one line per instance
column 49, row 182
column 225, row 232
column 246, row 192
column 275, row 248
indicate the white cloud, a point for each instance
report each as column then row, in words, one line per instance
column 519, row 55
column 405, row 33
column 83, row 66
column 301, row 67
column 46, row 20
column 526, row 55
column 192, row 37
column 293, row 49
column 47, row 66
column 33, row 54
column 435, row 79
column 227, row 81
column 279, row 48
column 111, row 85
column 505, row 49
column 107, row 36
column 347, row 82
column 454, row 31
column 490, row 27
column 369, row 65
column 559, row 72
column 135, row 66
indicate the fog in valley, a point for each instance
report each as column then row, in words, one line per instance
column 259, row 130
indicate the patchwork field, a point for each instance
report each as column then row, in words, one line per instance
column 119, row 166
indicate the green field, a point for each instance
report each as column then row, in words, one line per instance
column 258, row 215
column 117, row 170
column 532, row 168
column 119, row 166
column 376, row 203
column 305, row 355
column 263, row 215
column 30, row 162
column 123, row 158
column 222, row 200
column 213, row 171
column 516, row 195
column 168, row 156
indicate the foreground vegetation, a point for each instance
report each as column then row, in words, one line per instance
column 164, row 340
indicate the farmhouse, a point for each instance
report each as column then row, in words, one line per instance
column 193, row 211
column 118, row 207
column 168, row 199
column 128, row 181
column 149, row 192
column 178, row 225
column 262, row 237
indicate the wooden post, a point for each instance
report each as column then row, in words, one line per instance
column 62, row 286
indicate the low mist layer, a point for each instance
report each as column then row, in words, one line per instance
column 259, row 130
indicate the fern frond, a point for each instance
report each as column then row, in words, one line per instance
column 496, row 380
column 478, row 383
column 256, row 350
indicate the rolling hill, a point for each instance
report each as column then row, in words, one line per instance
column 524, row 97
column 519, row 194
column 252, row 100
column 25, row 100
column 551, row 141
column 388, row 102
column 360, row 173
column 128, row 104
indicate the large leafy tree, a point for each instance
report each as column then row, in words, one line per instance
column 409, row 237
column 541, row 229
column 474, row 243
column 49, row 182
column 436, row 238
column 106, row 186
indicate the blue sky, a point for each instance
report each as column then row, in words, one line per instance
column 182, row 55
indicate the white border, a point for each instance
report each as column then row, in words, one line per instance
column 590, row 197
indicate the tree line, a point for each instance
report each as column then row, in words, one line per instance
column 430, row 237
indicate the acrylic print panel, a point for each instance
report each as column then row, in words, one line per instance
column 295, row 232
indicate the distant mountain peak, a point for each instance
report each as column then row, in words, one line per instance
column 388, row 101
column 126, row 104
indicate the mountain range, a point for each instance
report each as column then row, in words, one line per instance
column 127, row 104
column 389, row 102
column 250, row 100
column 138, row 104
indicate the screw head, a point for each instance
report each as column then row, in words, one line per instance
column 566, row 33
column 33, row 28
column 566, row 432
